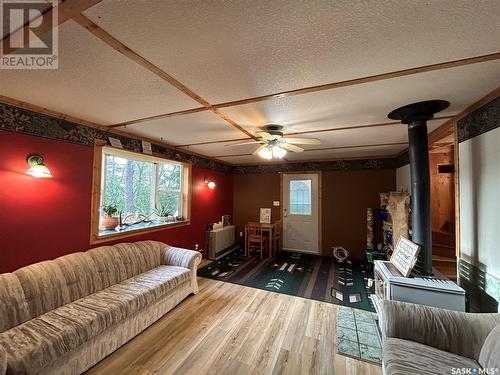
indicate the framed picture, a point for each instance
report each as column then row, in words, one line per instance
column 265, row 215
column 226, row 220
column 404, row 256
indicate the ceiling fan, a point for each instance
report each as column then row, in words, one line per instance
column 273, row 144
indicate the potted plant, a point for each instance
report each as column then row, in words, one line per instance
column 109, row 221
column 164, row 214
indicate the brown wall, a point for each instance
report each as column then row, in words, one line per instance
column 345, row 197
column 250, row 193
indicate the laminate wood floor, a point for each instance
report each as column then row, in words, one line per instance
column 232, row 329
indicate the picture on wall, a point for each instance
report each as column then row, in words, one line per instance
column 265, row 215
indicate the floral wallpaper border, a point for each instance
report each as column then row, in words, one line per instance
column 24, row 121
column 336, row 165
column 480, row 121
column 28, row 122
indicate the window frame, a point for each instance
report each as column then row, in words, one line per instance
column 97, row 191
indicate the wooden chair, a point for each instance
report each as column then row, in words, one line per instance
column 276, row 237
column 254, row 235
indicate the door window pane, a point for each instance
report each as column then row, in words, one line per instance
column 300, row 197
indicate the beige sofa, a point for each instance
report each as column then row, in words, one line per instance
column 63, row 316
column 422, row 340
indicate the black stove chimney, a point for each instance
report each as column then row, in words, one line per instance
column 415, row 116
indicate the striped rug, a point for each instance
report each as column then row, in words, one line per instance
column 303, row 275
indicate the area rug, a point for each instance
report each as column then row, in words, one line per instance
column 357, row 335
column 304, row 275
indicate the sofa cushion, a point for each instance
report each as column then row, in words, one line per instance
column 490, row 352
column 3, row 360
column 139, row 257
column 79, row 272
column 44, row 287
column 40, row 341
column 408, row 357
column 13, row 307
column 109, row 265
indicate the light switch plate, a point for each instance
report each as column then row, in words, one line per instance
column 276, row 203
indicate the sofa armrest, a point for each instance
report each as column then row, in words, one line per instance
column 175, row 256
column 452, row 331
column 3, row 360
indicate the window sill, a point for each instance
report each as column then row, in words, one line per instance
column 111, row 235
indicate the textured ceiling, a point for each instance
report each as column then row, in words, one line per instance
column 346, row 153
column 370, row 103
column 93, row 82
column 226, row 51
column 341, row 139
column 192, row 128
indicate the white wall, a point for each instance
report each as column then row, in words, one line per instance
column 403, row 180
column 479, row 170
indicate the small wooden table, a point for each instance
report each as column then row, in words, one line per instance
column 266, row 228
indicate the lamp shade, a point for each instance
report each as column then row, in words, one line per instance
column 37, row 167
column 39, row 171
column 266, row 153
column 278, row 152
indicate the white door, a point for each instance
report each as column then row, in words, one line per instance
column 301, row 212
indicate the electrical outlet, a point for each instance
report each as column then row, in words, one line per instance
column 241, row 234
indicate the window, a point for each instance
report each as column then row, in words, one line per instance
column 138, row 193
column 300, row 197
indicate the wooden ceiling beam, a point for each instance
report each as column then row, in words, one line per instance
column 329, row 148
column 368, row 79
column 331, row 86
column 213, row 142
column 390, row 123
column 159, row 117
column 449, row 126
column 66, row 10
column 134, row 56
column 90, row 124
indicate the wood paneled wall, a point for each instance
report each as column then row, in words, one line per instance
column 345, row 197
column 442, row 192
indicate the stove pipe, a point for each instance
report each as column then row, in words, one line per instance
column 415, row 116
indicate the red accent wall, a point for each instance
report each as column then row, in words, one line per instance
column 45, row 218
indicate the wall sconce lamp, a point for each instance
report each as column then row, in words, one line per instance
column 37, row 167
column 210, row 184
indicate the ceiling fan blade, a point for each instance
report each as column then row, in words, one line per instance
column 302, row 141
column 266, row 136
column 260, row 148
column 242, row 143
column 290, row 147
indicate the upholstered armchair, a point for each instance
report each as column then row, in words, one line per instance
column 426, row 340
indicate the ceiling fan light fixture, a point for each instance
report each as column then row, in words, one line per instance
column 266, row 153
column 278, row 152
